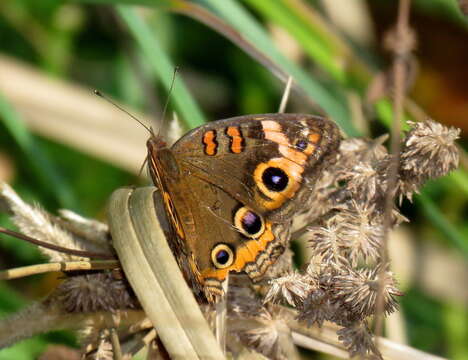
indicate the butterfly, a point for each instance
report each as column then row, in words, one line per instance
column 231, row 188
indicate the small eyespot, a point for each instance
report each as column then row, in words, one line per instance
column 222, row 256
column 275, row 179
column 301, row 145
column 249, row 223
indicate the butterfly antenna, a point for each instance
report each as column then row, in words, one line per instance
column 100, row 94
column 166, row 104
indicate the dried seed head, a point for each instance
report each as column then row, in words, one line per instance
column 283, row 265
column 363, row 182
column 320, row 202
column 358, row 290
column 361, row 231
column 356, row 150
column 243, row 303
column 357, row 339
column 429, row 151
column 292, row 288
column 326, row 243
column 39, row 224
column 89, row 230
column 317, row 308
column 331, row 187
column 358, row 169
column 265, row 338
column 95, row 292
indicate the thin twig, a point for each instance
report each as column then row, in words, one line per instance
column 399, row 71
column 58, row 266
column 87, row 254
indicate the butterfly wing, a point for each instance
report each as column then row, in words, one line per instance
column 236, row 183
column 260, row 160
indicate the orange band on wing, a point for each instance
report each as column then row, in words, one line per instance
column 209, row 139
column 246, row 253
column 236, row 139
column 309, row 150
column 314, row 138
column 273, row 132
column 294, row 155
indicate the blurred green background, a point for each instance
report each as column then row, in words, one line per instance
column 333, row 49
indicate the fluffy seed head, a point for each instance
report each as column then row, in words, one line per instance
column 429, row 151
column 357, row 339
column 95, row 292
column 358, row 290
column 292, row 288
column 265, row 338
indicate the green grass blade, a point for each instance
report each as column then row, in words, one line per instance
column 244, row 23
column 440, row 222
column 162, row 65
column 42, row 167
column 129, row 2
column 251, row 30
column 460, row 179
column 313, row 45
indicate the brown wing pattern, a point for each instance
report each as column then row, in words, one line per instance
column 233, row 185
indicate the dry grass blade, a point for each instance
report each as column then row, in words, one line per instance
column 116, row 348
column 92, row 125
column 58, row 266
column 389, row 349
column 50, row 317
column 155, row 277
column 285, row 97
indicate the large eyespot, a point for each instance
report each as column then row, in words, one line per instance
column 249, row 223
column 278, row 180
column 222, row 256
column 275, row 179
